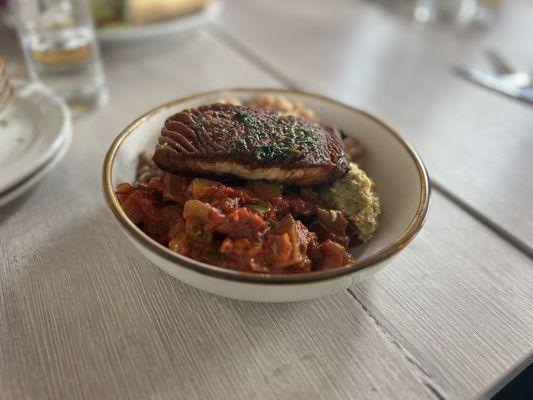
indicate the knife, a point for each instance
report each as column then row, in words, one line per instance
column 495, row 82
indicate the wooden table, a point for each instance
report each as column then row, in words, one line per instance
column 84, row 316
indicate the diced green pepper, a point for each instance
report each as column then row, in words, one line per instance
column 260, row 207
column 196, row 214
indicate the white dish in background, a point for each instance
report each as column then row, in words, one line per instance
column 33, row 180
column 401, row 182
column 133, row 33
column 31, row 133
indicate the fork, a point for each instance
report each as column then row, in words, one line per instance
column 6, row 90
column 503, row 68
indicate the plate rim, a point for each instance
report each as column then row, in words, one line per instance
column 14, row 193
column 141, row 32
column 27, row 170
column 384, row 254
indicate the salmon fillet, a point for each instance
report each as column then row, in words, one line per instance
column 223, row 140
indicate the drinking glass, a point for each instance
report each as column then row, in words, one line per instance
column 60, row 49
column 464, row 11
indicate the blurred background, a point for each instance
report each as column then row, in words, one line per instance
column 61, row 41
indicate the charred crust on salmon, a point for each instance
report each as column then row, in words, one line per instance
column 241, row 142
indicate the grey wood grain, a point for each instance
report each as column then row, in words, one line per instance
column 457, row 296
column 83, row 315
column 477, row 144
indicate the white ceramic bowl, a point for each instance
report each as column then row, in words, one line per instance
column 401, row 183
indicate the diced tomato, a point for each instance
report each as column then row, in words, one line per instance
column 157, row 184
column 302, row 207
column 246, row 224
column 123, row 190
column 252, row 228
column 242, row 253
column 175, row 187
column 216, row 220
column 333, row 255
column 242, row 195
column 324, row 233
column 280, row 249
column 202, row 189
column 226, row 204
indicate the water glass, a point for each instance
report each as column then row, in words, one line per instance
column 60, row 49
column 464, row 11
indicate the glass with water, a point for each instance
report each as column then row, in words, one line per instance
column 464, row 11
column 60, row 48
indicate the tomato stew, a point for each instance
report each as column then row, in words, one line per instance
column 258, row 226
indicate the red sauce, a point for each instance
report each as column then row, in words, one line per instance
column 254, row 227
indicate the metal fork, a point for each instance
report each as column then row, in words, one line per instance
column 503, row 68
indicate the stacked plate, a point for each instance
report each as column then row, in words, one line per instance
column 35, row 134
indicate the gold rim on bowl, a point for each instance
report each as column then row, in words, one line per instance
column 181, row 261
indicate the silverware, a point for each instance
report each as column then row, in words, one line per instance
column 502, row 67
column 506, row 80
column 6, row 90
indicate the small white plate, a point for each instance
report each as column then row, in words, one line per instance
column 32, row 180
column 31, row 134
column 181, row 24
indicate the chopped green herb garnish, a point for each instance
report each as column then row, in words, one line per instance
column 240, row 145
column 268, row 153
column 275, row 139
column 243, row 118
